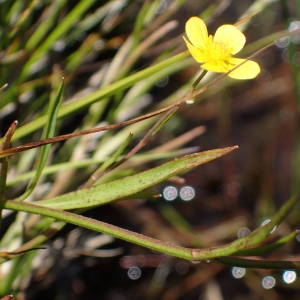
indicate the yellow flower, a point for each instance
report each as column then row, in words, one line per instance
column 214, row 53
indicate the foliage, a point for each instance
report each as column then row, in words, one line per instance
column 80, row 80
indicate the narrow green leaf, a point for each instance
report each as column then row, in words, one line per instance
column 269, row 247
column 42, row 30
column 117, row 154
column 48, row 131
column 257, row 236
column 24, row 19
column 62, row 28
column 100, row 94
column 54, row 168
column 131, row 185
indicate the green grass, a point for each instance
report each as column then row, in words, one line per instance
column 95, row 127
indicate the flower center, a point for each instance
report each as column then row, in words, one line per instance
column 217, row 55
column 216, row 52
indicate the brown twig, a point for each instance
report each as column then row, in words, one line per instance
column 190, row 95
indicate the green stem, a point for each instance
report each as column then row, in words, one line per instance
column 100, row 226
column 270, row 247
column 251, row 240
column 48, row 132
column 203, row 73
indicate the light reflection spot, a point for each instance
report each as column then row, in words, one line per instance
column 289, row 276
column 267, row 221
column 238, row 272
column 134, row 273
column 187, row 193
column 268, row 282
column 243, row 231
column 170, row 193
column 190, row 101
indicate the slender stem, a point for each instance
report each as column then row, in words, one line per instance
column 14, row 150
column 190, row 95
column 4, row 163
column 3, row 176
column 100, row 226
column 203, row 73
column 269, row 247
column 249, row 241
column 142, row 143
column 48, row 131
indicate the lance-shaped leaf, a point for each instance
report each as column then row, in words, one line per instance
column 130, row 185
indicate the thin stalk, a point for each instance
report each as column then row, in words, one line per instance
column 249, row 241
column 49, row 130
column 269, row 247
column 4, row 164
column 201, row 76
column 142, row 143
column 122, row 83
column 108, row 164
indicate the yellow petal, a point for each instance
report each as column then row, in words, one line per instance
column 231, row 37
column 196, row 31
column 247, row 70
column 195, row 52
column 215, row 66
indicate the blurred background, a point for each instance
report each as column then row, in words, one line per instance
column 210, row 205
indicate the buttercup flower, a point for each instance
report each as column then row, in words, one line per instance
column 215, row 53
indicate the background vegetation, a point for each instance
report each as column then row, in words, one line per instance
column 119, row 60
